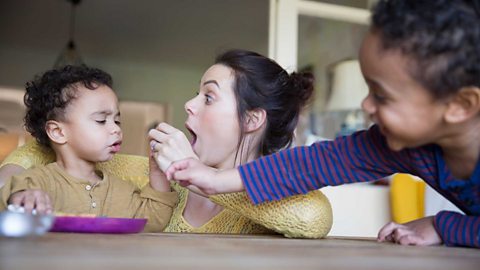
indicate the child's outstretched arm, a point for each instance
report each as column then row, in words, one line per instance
column 210, row 181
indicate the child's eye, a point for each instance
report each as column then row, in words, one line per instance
column 118, row 122
column 379, row 98
column 101, row 121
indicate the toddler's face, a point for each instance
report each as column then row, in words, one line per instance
column 93, row 124
column 212, row 118
column 405, row 111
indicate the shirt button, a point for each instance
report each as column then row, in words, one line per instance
column 88, row 187
column 94, row 205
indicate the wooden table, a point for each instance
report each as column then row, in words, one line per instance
column 196, row 251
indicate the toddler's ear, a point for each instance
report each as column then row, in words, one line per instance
column 255, row 120
column 55, row 132
column 464, row 105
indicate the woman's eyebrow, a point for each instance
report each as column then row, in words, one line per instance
column 212, row 81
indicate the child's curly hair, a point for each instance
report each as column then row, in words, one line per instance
column 48, row 95
column 441, row 37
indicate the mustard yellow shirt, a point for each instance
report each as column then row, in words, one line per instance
column 110, row 197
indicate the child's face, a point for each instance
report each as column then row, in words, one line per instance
column 212, row 118
column 92, row 124
column 405, row 111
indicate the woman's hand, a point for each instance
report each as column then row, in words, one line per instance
column 32, row 199
column 420, row 232
column 169, row 144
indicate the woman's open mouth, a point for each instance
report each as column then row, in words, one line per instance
column 193, row 135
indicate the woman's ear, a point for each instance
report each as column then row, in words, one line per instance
column 255, row 120
column 55, row 132
column 464, row 105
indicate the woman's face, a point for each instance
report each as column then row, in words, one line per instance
column 212, row 118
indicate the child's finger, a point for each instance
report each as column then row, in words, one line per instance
column 175, row 167
column 48, row 205
column 386, row 231
column 17, row 198
column 29, row 202
column 408, row 239
column 400, row 233
column 40, row 204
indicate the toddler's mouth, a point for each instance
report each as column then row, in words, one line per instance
column 116, row 146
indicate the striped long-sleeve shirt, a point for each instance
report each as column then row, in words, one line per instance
column 365, row 156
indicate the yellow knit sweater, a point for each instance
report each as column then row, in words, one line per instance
column 303, row 216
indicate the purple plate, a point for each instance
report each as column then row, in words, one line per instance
column 98, row 224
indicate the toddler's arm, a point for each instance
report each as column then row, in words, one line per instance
column 32, row 199
column 21, row 190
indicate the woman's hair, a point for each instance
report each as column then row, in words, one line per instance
column 260, row 83
column 441, row 37
column 48, row 95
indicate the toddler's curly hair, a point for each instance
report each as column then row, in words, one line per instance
column 48, row 94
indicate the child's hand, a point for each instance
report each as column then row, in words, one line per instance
column 169, row 144
column 32, row 199
column 420, row 232
column 191, row 171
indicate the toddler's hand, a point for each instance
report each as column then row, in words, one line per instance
column 420, row 232
column 32, row 199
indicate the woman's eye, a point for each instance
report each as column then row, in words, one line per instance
column 118, row 122
column 101, row 121
column 208, row 99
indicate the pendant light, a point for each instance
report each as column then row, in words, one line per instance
column 69, row 54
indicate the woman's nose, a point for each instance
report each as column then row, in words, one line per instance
column 190, row 106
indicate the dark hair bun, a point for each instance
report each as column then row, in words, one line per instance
column 303, row 84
